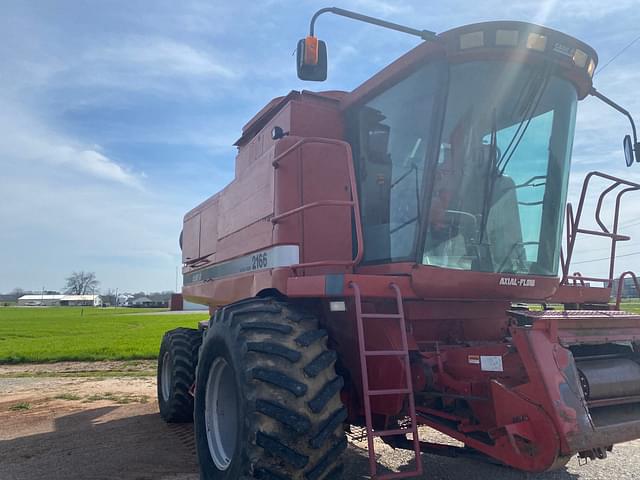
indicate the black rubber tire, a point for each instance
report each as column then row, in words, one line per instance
column 290, row 416
column 182, row 345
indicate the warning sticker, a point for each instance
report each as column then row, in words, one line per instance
column 474, row 359
column 491, row 363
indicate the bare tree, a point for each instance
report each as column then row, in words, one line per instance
column 81, row 283
column 18, row 292
column 109, row 298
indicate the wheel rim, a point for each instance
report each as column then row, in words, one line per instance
column 166, row 377
column 221, row 413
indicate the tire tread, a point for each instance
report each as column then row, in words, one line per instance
column 293, row 409
column 183, row 345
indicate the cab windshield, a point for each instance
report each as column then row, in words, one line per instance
column 482, row 188
column 501, row 176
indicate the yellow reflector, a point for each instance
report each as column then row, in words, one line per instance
column 507, row 38
column 580, row 58
column 591, row 68
column 471, row 40
column 538, row 42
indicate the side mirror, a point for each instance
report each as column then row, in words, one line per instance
column 628, row 150
column 311, row 59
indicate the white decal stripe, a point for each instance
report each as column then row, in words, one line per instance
column 274, row 257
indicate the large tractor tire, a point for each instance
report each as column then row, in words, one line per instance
column 267, row 401
column 176, row 373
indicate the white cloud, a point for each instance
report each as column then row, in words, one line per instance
column 60, row 222
column 106, row 72
column 66, row 206
column 157, row 57
column 71, row 204
column 100, row 166
column 26, row 141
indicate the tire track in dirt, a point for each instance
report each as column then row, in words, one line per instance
column 108, row 427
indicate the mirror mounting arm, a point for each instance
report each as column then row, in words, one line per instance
column 424, row 34
column 622, row 110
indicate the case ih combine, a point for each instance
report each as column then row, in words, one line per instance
column 386, row 257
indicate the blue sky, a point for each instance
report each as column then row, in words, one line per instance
column 119, row 116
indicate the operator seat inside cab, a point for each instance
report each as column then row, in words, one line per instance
column 455, row 238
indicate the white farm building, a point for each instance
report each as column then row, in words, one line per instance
column 36, row 300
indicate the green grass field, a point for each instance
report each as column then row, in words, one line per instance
column 630, row 305
column 74, row 333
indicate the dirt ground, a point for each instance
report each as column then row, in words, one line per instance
column 99, row 421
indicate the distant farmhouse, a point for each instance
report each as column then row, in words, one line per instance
column 37, row 300
column 156, row 301
column 8, row 298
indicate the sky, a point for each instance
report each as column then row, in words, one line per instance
column 117, row 117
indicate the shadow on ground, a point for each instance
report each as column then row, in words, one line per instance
column 92, row 445
column 440, row 468
column 131, row 443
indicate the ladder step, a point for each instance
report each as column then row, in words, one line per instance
column 385, row 353
column 408, row 390
column 390, row 391
column 381, row 315
column 397, row 431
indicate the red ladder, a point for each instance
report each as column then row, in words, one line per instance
column 368, row 393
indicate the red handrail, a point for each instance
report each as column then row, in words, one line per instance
column 573, row 222
column 306, row 206
column 353, row 203
column 621, row 284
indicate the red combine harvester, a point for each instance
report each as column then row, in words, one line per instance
column 388, row 258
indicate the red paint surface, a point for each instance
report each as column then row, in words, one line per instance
column 526, row 415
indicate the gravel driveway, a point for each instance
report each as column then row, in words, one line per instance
column 100, row 427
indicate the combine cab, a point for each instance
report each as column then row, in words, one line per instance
column 392, row 257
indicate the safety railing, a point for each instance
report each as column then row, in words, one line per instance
column 353, row 204
column 573, row 228
column 621, row 286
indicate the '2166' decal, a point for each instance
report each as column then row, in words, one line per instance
column 259, row 261
column 517, row 282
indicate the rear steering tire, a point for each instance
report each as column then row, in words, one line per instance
column 267, row 401
column 176, row 373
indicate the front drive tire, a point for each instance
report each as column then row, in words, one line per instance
column 267, row 401
column 176, row 373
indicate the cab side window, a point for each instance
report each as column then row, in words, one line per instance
column 390, row 135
